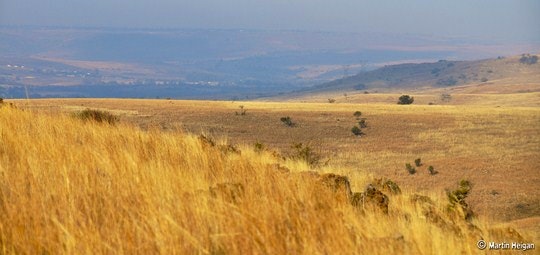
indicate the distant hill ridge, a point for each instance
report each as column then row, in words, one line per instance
column 502, row 71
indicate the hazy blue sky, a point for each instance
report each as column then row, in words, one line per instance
column 504, row 19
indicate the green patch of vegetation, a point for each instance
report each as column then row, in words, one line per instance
column 357, row 114
column 97, row 116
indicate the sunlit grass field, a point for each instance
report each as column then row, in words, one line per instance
column 149, row 185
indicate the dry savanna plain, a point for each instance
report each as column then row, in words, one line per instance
column 225, row 177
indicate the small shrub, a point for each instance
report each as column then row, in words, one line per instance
column 446, row 97
column 305, row 153
column 410, row 168
column 287, row 121
column 206, row 141
column 259, row 147
column 405, row 99
column 360, row 86
column 97, row 116
column 357, row 114
column 528, row 59
column 431, row 170
column 450, row 81
column 456, row 199
column 418, row 162
column 229, row 148
column 331, row 100
column 356, row 131
column 242, row 111
column 362, row 123
column 484, row 79
column 387, row 185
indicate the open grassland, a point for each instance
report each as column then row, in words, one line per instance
column 69, row 186
column 497, row 148
column 426, row 97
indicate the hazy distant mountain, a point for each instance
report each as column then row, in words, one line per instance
column 203, row 63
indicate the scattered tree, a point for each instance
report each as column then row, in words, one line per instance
column 528, row 59
column 405, row 99
column 331, row 100
column 357, row 114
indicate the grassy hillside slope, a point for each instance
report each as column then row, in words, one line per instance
column 501, row 75
column 68, row 186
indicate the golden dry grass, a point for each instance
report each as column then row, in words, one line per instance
column 74, row 187
column 498, row 148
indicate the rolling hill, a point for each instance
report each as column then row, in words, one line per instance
column 516, row 74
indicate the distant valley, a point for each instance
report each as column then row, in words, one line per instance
column 220, row 64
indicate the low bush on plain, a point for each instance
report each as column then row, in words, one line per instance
column 405, row 99
column 306, row 153
column 456, row 199
column 287, row 121
column 97, row 116
column 357, row 131
column 418, row 162
column 432, row 170
column 410, row 168
column 362, row 123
